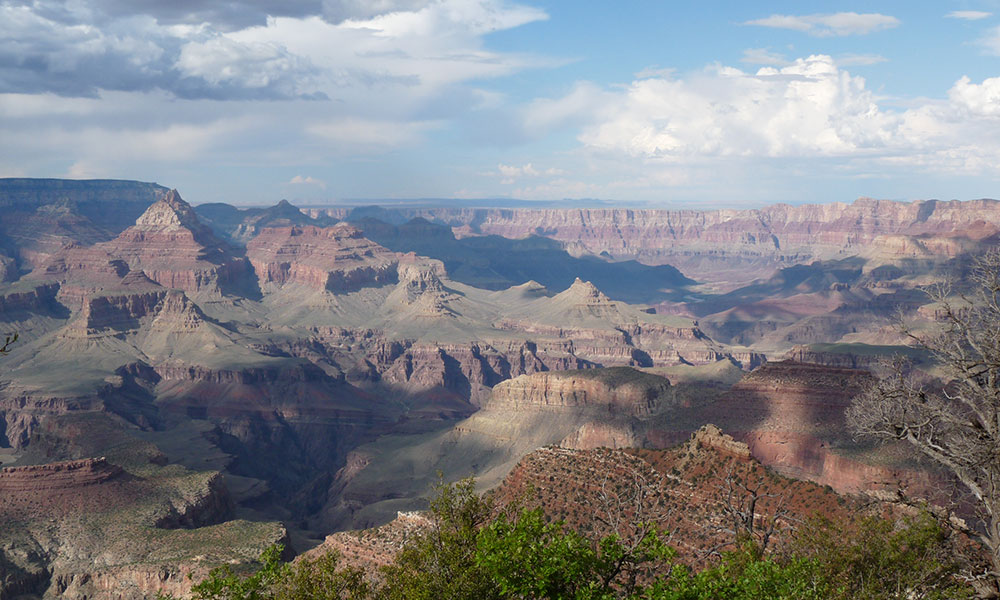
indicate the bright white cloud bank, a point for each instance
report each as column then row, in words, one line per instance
column 810, row 108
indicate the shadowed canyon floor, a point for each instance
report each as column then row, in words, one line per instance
column 202, row 375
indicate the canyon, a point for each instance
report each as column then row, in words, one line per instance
column 276, row 374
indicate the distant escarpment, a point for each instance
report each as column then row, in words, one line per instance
column 240, row 225
column 712, row 239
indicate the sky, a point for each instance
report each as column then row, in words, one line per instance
column 638, row 102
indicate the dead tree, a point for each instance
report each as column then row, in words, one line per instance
column 632, row 507
column 957, row 424
column 750, row 514
column 8, row 342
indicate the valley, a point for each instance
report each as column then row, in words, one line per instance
column 192, row 383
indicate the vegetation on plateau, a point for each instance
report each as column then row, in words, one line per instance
column 476, row 550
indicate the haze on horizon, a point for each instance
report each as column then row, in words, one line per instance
column 723, row 104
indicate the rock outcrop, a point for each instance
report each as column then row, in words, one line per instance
column 173, row 248
column 20, row 482
column 621, row 391
column 791, row 416
column 336, row 259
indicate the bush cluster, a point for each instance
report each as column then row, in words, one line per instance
column 472, row 551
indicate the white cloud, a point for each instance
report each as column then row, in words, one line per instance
column 223, row 60
column 979, row 100
column 81, row 49
column 811, row 109
column 96, row 90
column 763, row 56
column 825, row 25
column 307, row 180
column 510, row 173
column 990, row 43
column 968, row 15
column 807, row 107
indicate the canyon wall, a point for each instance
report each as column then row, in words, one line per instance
column 778, row 233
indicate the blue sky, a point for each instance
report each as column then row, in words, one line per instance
column 710, row 104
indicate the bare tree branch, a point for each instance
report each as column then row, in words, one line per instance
column 957, row 423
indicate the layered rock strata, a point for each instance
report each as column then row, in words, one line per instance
column 726, row 241
column 619, row 391
column 336, row 259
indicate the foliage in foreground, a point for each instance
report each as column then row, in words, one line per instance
column 472, row 552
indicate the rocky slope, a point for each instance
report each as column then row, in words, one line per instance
column 117, row 527
column 684, row 490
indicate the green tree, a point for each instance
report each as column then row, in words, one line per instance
column 743, row 575
column 441, row 563
column 319, row 578
column 223, row 584
column 322, row 578
column 528, row 558
column 879, row 559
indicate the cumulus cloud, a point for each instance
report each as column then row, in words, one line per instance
column 825, row 25
column 809, row 109
column 968, row 15
column 977, row 100
column 307, row 180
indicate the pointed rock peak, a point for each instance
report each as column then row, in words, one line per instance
column 286, row 208
column 530, row 288
column 138, row 279
column 586, row 290
column 169, row 212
